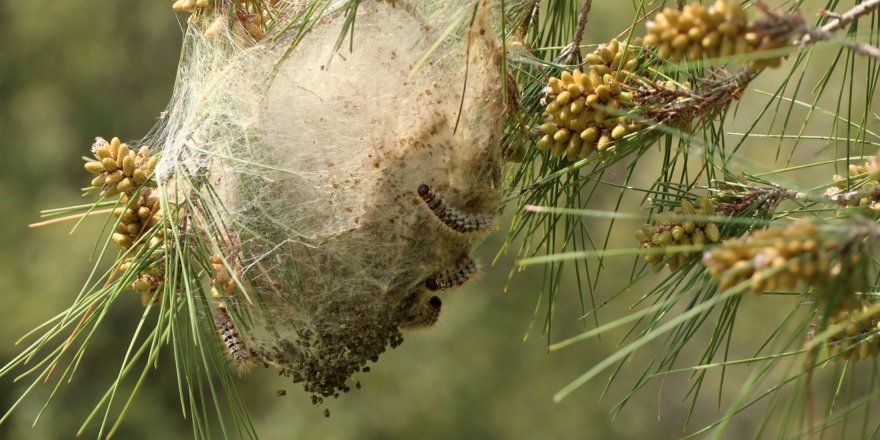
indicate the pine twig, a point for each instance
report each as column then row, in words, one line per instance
column 826, row 32
column 819, row 34
column 573, row 50
column 841, row 20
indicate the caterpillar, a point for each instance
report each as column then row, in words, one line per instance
column 467, row 266
column 451, row 217
column 229, row 336
column 425, row 316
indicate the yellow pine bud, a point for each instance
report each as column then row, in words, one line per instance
column 698, row 237
column 696, row 33
column 593, row 59
column 544, row 143
column 585, row 83
column 687, row 208
column 102, row 152
column 128, row 165
column 603, row 92
column 707, row 206
column 689, row 226
column 184, row 5
column 566, row 78
column 562, row 135
column 587, row 148
column 113, row 148
column 127, row 215
column 664, row 51
column 579, row 123
column 153, row 202
column 606, row 54
column 563, row 99
column 573, row 149
column 548, row 128
column 712, row 232
column 680, row 42
column 109, row 192
column 201, row 3
column 110, row 165
column 678, row 233
column 121, row 240
column 98, row 181
column 124, row 185
column 151, row 164
column 139, row 177
column 565, row 115
column 614, row 46
column 114, row 178
column 711, row 40
column 618, row 132
column 140, row 285
column 574, row 90
column 558, row 150
column 94, row 167
column 604, row 143
column 122, row 153
column 133, row 228
column 728, row 29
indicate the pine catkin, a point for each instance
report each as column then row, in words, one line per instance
column 583, row 109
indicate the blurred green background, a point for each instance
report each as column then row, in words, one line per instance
column 73, row 70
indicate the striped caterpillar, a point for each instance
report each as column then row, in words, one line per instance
column 451, row 217
column 229, row 336
column 467, row 266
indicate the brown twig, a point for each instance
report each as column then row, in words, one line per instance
column 826, row 32
column 573, row 50
column 819, row 34
column 841, row 20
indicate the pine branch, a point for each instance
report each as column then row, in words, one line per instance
column 572, row 51
column 841, row 20
column 813, row 35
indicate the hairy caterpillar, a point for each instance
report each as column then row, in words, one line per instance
column 467, row 266
column 229, row 337
column 449, row 216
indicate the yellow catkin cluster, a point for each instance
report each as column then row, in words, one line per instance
column 772, row 258
column 871, row 170
column 136, row 217
column 223, row 282
column 859, row 340
column 148, row 282
column 678, row 232
column 118, row 168
column 582, row 107
column 721, row 30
